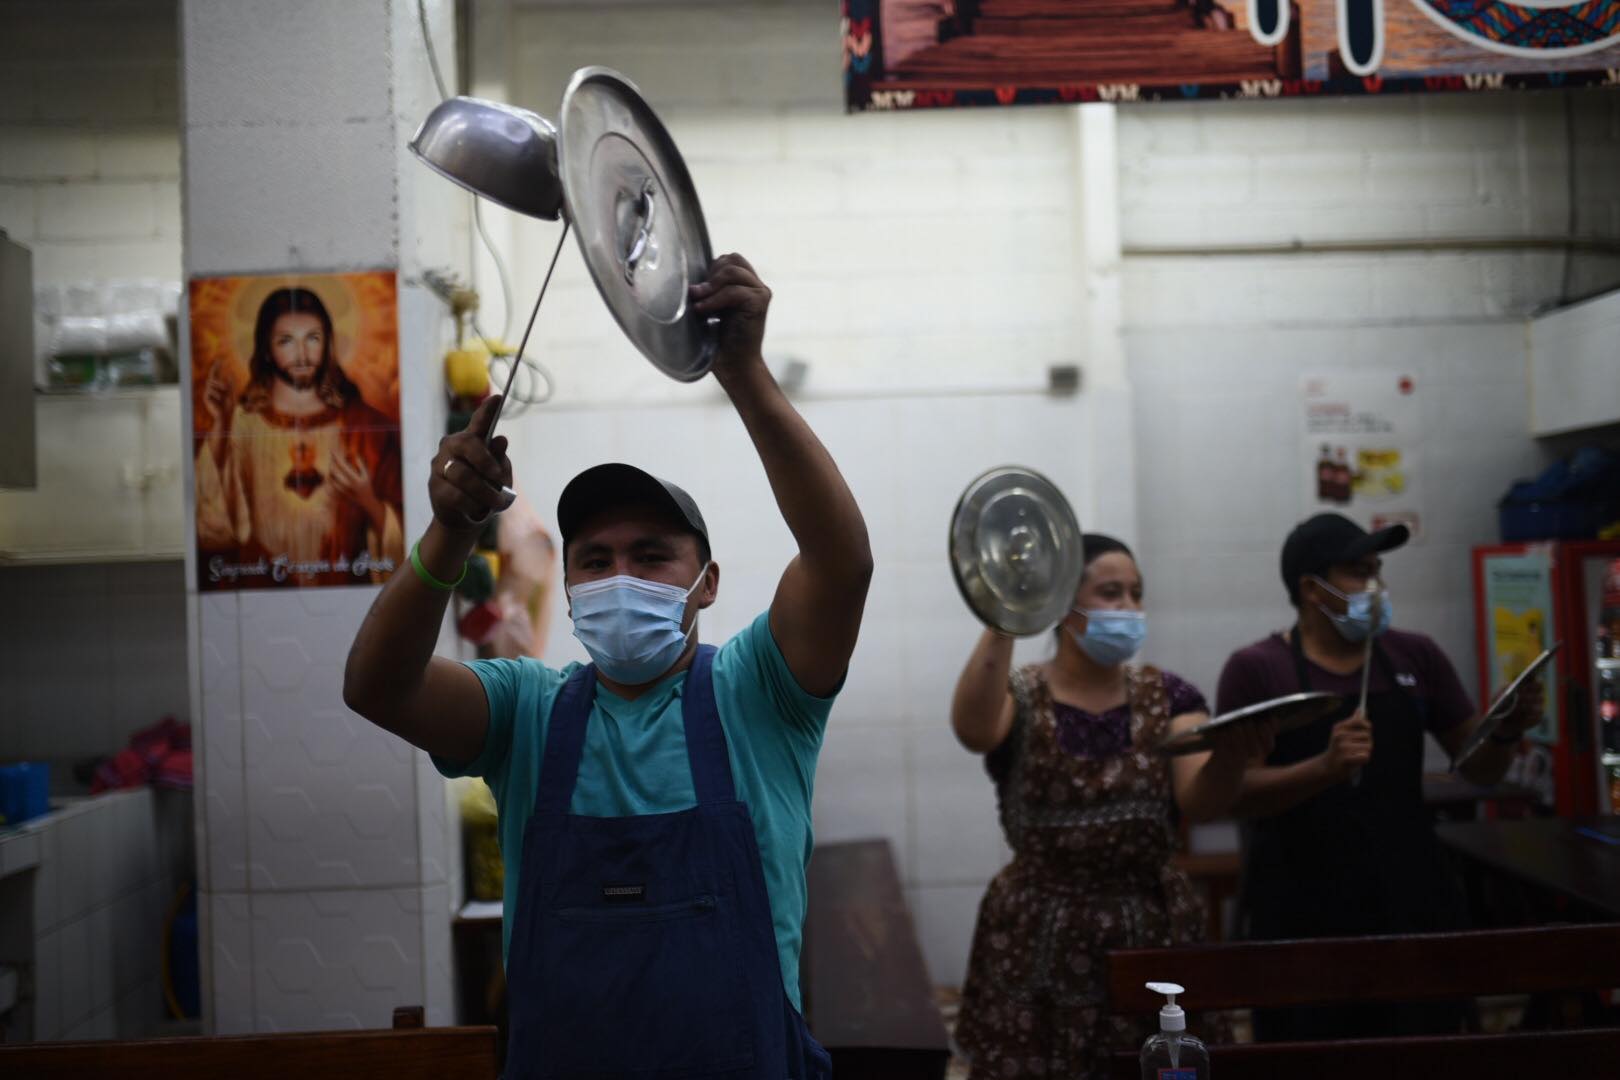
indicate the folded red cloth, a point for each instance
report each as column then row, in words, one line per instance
column 124, row 769
column 159, row 754
column 174, row 771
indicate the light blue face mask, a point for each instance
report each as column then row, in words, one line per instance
column 1361, row 618
column 632, row 626
column 1111, row 637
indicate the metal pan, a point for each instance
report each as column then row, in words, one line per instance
column 1502, row 706
column 1290, row 712
column 1015, row 550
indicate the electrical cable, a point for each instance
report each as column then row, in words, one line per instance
column 521, row 391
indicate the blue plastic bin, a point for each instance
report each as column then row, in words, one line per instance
column 24, row 792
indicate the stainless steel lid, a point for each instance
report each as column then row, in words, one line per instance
column 1289, row 712
column 1015, row 550
column 1499, row 709
column 637, row 217
column 506, row 154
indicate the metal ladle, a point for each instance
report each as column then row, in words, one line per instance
column 507, row 155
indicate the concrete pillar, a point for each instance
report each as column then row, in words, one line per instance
column 328, row 867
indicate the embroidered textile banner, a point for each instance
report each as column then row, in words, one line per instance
column 918, row 54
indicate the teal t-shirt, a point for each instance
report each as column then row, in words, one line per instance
column 634, row 762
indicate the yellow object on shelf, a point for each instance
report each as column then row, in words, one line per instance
column 466, row 369
column 486, row 874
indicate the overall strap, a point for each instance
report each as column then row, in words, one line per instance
column 705, row 740
column 565, row 742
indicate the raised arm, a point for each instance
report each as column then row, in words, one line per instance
column 982, row 707
column 816, row 614
column 392, row 678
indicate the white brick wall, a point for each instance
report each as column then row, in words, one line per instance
column 1217, row 343
column 937, row 251
column 90, row 180
column 89, row 137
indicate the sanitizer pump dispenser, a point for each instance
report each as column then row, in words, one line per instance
column 1173, row 1054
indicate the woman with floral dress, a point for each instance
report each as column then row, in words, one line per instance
column 1086, row 805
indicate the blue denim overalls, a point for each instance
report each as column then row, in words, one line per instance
column 643, row 946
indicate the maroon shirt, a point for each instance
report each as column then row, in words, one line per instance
column 1265, row 670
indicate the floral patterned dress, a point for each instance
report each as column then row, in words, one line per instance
column 1085, row 804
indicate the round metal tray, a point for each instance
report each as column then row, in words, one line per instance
column 1289, row 712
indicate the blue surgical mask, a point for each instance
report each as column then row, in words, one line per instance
column 1111, row 637
column 632, row 626
column 1367, row 614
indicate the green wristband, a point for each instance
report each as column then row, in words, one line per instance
column 428, row 579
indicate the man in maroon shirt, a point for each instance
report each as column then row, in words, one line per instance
column 1339, row 841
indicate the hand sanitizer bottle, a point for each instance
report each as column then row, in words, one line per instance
column 1173, row 1054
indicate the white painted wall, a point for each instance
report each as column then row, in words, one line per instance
column 90, row 138
column 1575, row 366
column 919, row 262
column 928, row 269
column 1216, row 344
column 90, row 182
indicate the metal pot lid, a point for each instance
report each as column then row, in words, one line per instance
column 1290, row 711
column 1499, row 709
column 637, row 217
column 1015, row 550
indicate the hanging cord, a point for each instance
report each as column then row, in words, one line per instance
column 536, row 385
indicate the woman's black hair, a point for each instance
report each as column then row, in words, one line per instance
column 1094, row 546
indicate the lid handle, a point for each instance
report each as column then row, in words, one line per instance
column 638, row 246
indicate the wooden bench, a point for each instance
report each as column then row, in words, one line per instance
column 407, row 1052
column 1387, row 969
column 867, row 995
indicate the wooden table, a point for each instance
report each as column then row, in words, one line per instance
column 1451, row 797
column 867, row 994
column 1574, row 857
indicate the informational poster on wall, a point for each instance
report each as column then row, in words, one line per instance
column 1519, row 609
column 929, row 54
column 1360, row 444
column 295, row 430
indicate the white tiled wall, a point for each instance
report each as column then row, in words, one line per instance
column 89, row 137
column 84, row 892
column 88, row 655
column 325, row 844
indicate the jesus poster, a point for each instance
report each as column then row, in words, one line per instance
column 295, row 430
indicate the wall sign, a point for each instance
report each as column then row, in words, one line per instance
column 1359, row 447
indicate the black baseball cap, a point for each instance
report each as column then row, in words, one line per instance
column 1329, row 540
column 610, row 486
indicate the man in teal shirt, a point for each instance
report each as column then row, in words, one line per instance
column 655, row 805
